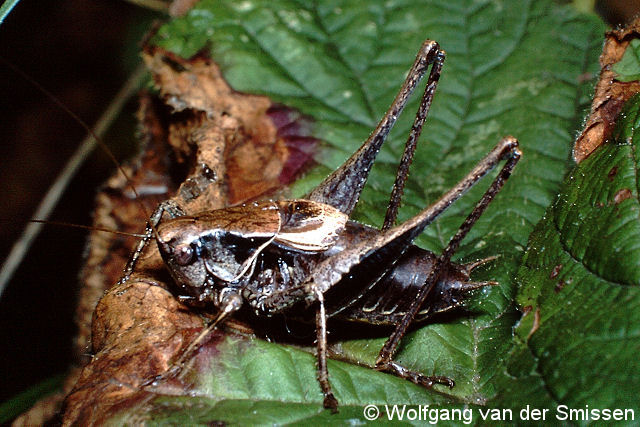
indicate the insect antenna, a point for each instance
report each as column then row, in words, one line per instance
column 86, row 227
column 48, row 203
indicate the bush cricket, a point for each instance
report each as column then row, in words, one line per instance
column 308, row 259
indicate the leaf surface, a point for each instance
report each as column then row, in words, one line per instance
column 512, row 68
column 627, row 68
column 581, row 279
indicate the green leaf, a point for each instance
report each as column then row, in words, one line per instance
column 582, row 275
column 628, row 68
column 25, row 400
column 512, row 68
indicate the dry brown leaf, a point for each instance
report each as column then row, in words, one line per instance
column 220, row 147
column 610, row 94
column 266, row 145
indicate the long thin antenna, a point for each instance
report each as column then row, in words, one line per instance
column 50, row 200
column 87, row 227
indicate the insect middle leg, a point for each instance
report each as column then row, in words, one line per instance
column 330, row 401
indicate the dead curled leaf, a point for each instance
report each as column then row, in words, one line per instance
column 610, row 94
column 264, row 150
column 212, row 148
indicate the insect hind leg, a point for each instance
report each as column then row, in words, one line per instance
column 412, row 140
column 507, row 148
column 343, row 187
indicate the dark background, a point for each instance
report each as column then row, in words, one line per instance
column 82, row 51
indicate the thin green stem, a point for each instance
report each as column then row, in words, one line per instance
column 6, row 9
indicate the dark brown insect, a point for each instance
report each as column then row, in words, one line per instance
column 294, row 256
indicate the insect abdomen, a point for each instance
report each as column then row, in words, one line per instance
column 386, row 300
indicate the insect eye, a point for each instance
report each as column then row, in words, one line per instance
column 183, row 255
column 291, row 209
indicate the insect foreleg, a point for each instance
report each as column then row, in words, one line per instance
column 173, row 210
column 230, row 303
column 506, row 148
column 342, row 188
